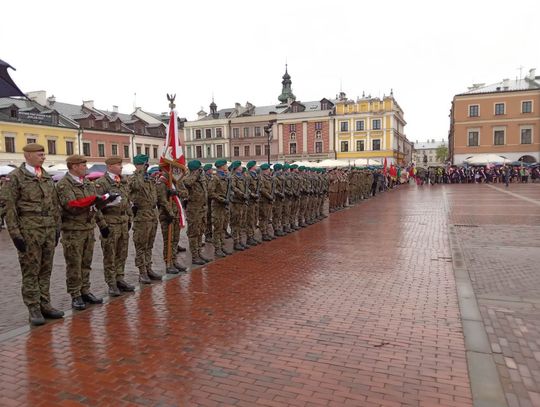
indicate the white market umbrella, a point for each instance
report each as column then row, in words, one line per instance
column 5, row 169
column 486, row 159
column 128, row 169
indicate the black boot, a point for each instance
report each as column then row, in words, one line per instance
column 51, row 313
column 124, row 286
column 35, row 317
column 91, row 299
column 78, row 303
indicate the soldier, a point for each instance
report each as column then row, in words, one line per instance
column 33, row 220
column 218, row 193
column 143, row 195
column 2, row 205
column 170, row 194
column 238, row 204
column 279, row 199
column 267, row 199
column 253, row 186
column 196, row 185
column 78, row 200
column 115, row 232
column 209, row 172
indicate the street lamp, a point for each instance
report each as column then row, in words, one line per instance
column 268, row 131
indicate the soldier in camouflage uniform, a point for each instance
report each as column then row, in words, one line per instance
column 196, row 185
column 143, row 195
column 266, row 200
column 79, row 203
column 279, row 198
column 2, row 205
column 218, row 191
column 238, row 200
column 118, row 219
column 286, row 216
column 253, row 185
column 209, row 172
column 33, row 220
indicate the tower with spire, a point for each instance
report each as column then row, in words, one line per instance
column 286, row 96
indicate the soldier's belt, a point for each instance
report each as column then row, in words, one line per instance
column 34, row 213
column 113, row 212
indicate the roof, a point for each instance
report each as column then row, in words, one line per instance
column 505, row 86
column 25, row 105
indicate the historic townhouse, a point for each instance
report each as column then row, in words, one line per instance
column 25, row 121
column 502, row 118
column 371, row 128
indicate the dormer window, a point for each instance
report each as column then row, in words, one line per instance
column 13, row 113
column 105, row 124
column 295, row 109
column 324, row 106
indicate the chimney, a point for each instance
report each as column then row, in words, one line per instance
column 88, row 104
column 51, row 100
column 38, row 96
column 532, row 74
column 505, row 83
column 115, row 109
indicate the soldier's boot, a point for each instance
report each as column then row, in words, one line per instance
column 170, row 269
column 114, row 291
column 49, row 312
column 179, row 267
column 251, row 242
column 279, row 233
column 90, row 298
column 238, row 246
column 152, row 274
column 35, row 316
column 227, row 252
column 208, row 238
column 204, row 258
column 143, row 276
column 124, row 286
column 219, row 253
column 180, row 249
column 198, row 261
column 266, row 238
column 78, row 303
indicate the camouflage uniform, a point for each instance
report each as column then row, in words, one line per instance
column 267, row 199
column 196, row 185
column 252, row 180
column 217, row 193
column 239, row 198
column 277, row 207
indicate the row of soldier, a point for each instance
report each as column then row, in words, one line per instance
column 275, row 200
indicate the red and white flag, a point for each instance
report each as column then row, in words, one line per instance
column 173, row 161
column 385, row 166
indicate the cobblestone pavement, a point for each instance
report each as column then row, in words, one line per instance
column 499, row 236
column 360, row 309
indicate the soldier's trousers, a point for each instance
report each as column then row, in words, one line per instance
column 196, row 220
column 175, row 238
column 286, row 212
column 78, row 248
column 294, row 210
column 265, row 209
column 208, row 223
column 219, row 219
column 115, row 250
column 252, row 218
column 36, row 265
column 237, row 210
column 303, row 209
column 277, row 213
column 144, row 235
column 244, row 220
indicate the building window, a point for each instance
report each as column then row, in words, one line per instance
column 526, row 136
column 246, row 132
column 86, row 149
column 31, row 138
column 318, row 125
column 293, row 136
column 198, row 134
column 526, row 106
column 10, row 144
column 69, row 147
column 499, row 108
column 51, row 146
column 219, row 132
column 258, row 132
column 292, row 148
column 473, row 139
column 246, row 151
column 105, row 124
column 208, row 133
column 219, row 151
column 208, row 151
column 295, row 109
column 498, row 137
column 114, row 149
column 236, row 150
column 360, row 145
column 258, row 150
column 101, row 150
column 343, row 126
column 155, row 151
column 324, row 106
column 266, row 150
column 236, row 132
column 188, row 155
column 474, row 111
column 198, row 152
column 376, row 124
column 376, row 144
column 318, row 147
column 139, row 149
column 344, row 146
column 359, row 125
column 147, row 150
column 292, row 128
column 318, row 135
column 126, row 151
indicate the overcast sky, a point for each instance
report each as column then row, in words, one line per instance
column 426, row 51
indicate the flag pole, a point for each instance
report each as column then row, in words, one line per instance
column 170, row 227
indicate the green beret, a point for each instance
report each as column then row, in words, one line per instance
column 294, row 166
column 278, row 166
column 302, row 168
column 235, row 164
column 140, row 159
column 286, row 166
column 264, row 166
column 33, row 148
column 220, row 163
column 251, row 164
column 194, row 165
column 113, row 160
column 207, row 167
column 76, row 159
column 153, row 170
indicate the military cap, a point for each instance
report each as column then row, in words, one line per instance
column 194, row 165
column 220, row 163
column 251, row 164
column 294, row 166
column 302, row 168
column 33, row 147
column 235, row 164
column 207, row 167
column 113, row 160
column 140, row 159
column 265, row 166
column 286, row 166
column 152, row 170
column 278, row 166
column 76, row 159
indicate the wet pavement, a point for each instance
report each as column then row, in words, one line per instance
column 360, row 309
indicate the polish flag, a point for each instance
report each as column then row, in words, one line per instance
column 385, row 166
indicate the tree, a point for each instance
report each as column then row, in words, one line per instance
column 442, row 153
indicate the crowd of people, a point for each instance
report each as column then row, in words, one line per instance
column 215, row 202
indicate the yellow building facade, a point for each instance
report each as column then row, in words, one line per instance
column 371, row 128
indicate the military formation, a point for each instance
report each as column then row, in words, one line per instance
column 210, row 200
